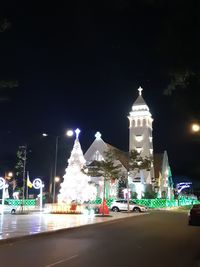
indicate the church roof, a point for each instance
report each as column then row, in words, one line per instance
column 157, row 162
column 98, row 145
column 140, row 105
column 101, row 147
column 122, row 155
column 139, row 101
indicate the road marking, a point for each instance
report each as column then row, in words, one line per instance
column 61, row 261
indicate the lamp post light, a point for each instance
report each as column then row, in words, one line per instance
column 195, row 127
column 68, row 133
column 57, row 179
column 10, row 175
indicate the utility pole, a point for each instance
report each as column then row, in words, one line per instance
column 128, row 199
column 24, row 174
column 127, row 185
column 55, row 169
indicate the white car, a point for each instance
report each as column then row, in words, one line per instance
column 122, row 204
column 7, row 209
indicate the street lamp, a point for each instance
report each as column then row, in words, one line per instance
column 56, row 180
column 10, row 175
column 68, row 133
column 195, row 127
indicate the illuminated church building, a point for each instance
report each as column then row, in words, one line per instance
column 156, row 180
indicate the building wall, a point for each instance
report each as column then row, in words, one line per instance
column 140, row 139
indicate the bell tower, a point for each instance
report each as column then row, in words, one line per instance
column 140, row 139
column 140, row 127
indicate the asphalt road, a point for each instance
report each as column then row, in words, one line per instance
column 155, row 239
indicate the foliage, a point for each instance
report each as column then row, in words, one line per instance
column 8, row 84
column 163, row 194
column 19, row 167
column 134, row 195
column 137, row 162
column 181, row 85
column 109, row 169
column 179, row 79
column 106, row 168
column 21, row 157
column 149, row 195
column 4, row 25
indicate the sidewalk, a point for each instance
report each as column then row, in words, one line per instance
column 14, row 226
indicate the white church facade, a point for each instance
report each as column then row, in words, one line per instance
column 156, row 180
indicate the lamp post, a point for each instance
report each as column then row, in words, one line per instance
column 38, row 184
column 3, row 187
column 56, row 180
column 55, row 169
column 68, row 133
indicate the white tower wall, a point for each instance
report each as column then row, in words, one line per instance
column 140, row 128
column 140, row 137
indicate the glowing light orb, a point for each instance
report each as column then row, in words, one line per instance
column 195, row 127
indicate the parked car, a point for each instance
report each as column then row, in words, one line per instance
column 8, row 208
column 194, row 215
column 122, row 205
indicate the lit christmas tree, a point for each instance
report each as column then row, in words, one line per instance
column 76, row 186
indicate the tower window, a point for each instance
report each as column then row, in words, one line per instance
column 97, row 156
column 139, row 149
column 138, row 138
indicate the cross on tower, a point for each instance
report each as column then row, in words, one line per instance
column 77, row 133
column 98, row 135
column 140, row 90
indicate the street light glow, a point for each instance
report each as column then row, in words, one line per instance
column 10, row 174
column 57, row 179
column 195, row 127
column 44, row 134
column 69, row 133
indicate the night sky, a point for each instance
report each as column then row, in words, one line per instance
column 79, row 64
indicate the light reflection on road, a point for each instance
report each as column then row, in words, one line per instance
column 26, row 224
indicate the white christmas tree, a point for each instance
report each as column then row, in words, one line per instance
column 76, row 186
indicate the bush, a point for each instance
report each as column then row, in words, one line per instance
column 149, row 195
column 134, row 195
